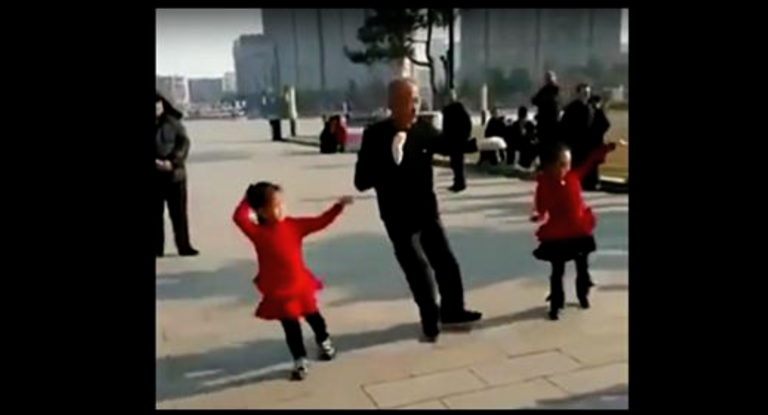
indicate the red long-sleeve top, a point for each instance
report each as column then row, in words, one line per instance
column 286, row 285
column 560, row 205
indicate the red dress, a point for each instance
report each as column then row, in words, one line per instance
column 568, row 221
column 286, row 285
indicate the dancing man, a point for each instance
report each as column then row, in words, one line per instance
column 395, row 159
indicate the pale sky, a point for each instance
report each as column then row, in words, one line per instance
column 198, row 42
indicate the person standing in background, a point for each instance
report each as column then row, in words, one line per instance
column 171, row 150
column 596, row 138
column 457, row 130
column 576, row 125
column 547, row 103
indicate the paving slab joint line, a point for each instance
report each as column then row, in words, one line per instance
column 574, row 358
column 558, row 387
column 480, row 378
column 531, row 353
column 368, row 395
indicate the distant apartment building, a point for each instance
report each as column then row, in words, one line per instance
column 310, row 46
column 229, row 83
column 206, row 90
column 174, row 89
column 537, row 39
column 256, row 66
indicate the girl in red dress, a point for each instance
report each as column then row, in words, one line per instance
column 286, row 285
column 567, row 222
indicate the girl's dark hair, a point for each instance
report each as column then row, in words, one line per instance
column 552, row 155
column 258, row 195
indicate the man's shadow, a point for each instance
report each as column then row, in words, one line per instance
column 264, row 360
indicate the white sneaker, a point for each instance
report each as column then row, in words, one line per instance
column 300, row 369
column 327, row 351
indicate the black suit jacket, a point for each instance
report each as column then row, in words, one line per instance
column 172, row 144
column 405, row 192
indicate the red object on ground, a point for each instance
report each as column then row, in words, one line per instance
column 287, row 287
column 560, row 204
column 341, row 134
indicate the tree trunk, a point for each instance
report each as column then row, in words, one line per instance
column 451, row 53
column 400, row 68
column 431, row 61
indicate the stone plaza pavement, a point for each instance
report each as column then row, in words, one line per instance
column 211, row 352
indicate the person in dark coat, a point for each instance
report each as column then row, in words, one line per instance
column 577, row 123
column 522, row 140
column 328, row 142
column 395, row 159
column 457, row 130
column 547, row 103
column 171, row 150
column 596, row 138
column 497, row 125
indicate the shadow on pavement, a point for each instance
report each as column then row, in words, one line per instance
column 615, row 397
column 614, row 288
column 362, row 266
column 254, row 362
column 216, row 157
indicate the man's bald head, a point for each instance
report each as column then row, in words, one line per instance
column 403, row 101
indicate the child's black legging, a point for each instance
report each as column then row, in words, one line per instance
column 583, row 279
column 294, row 337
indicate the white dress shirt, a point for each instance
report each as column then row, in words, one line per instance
column 397, row 147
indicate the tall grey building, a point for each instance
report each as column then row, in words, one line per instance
column 537, row 39
column 206, row 90
column 255, row 65
column 174, row 88
column 310, row 47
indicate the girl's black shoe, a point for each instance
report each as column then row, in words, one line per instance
column 583, row 293
column 554, row 314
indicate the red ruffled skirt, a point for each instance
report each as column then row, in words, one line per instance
column 301, row 302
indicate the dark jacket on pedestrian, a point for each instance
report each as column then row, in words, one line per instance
column 405, row 192
column 576, row 128
column 598, row 129
column 457, row 127
column 547, row 102
column 172, row 143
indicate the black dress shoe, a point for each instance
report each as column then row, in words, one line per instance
column 189, row 252
column 457, row 189
column 462, row 317
column 159, row 254
column 430, row 334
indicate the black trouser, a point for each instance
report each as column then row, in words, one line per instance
column 175, row 194
column 295, row 338
column 528, row 153
column 591, row 179
column 583, row 280
column 416, row 249
column 510, row 154
column 457, row 165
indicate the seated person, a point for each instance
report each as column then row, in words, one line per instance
column 496, row 126
column 521, row 139
column 339, row 130
column 328, row 141
column 491, row 150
